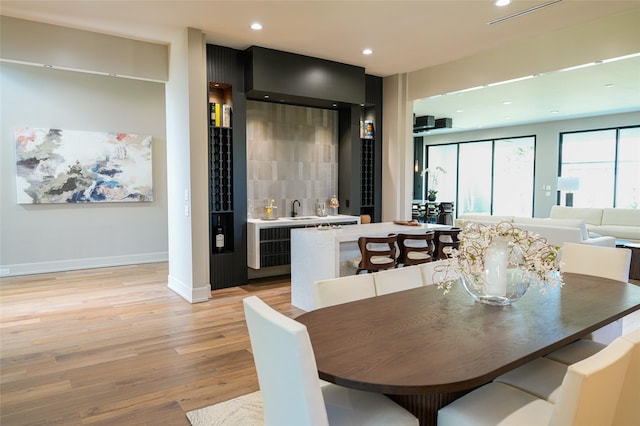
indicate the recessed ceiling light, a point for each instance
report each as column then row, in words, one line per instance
column 460, row 110
column 501, row 3
column 507, row 103
column 610, row 85
column 555, row 111
column 47, row 66
column 367, row 52
column 256, row 26
column 266, row 96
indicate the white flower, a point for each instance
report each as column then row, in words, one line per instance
column 527, row 251
column 433, row 175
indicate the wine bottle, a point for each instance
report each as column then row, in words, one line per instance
column 219, row 233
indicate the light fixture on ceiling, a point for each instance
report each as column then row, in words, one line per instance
column 507, row 103
column 256, row 26
column 524, row 12
column 367, row 52
column 501, row 3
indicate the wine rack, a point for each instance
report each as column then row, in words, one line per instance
column 367, row 173
column 221, row 172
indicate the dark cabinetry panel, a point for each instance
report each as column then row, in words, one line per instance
column 302, row 80
column 227, row 165
column 360, row 159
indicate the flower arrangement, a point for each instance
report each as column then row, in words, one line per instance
column 533, row 255
column 434, row 174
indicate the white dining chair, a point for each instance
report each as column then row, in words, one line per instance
column 588, row 396
column 628, row 409
column 433, row 272
column 292, row 392
column 605, row 262
column 343, row 289
column 393, row 280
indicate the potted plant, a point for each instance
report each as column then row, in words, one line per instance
column 431, row 194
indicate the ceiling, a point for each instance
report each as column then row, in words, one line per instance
column 404, row 35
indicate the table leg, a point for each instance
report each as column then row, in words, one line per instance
column 425, row 406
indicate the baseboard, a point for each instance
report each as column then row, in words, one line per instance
column 190, row 294
column 76, row 264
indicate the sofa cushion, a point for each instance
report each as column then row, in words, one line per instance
column 621, row 232
column 485, row 219
column 590, row 216
column 623, row 217
column 569, row 223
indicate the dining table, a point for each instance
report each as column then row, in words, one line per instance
column 424, row 349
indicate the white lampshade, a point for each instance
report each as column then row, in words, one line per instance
column 568, row 184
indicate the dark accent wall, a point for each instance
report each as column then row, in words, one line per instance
column 301, row 80
column 349, row 169
column 418, row 155
column 226, row 65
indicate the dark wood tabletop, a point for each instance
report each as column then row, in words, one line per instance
column 420, row 341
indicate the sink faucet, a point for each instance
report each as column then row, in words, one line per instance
column 294, row 212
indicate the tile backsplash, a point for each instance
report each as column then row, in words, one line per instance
column 292, row 154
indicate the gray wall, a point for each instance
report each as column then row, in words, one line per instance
column 547, row 147
column 292, row 153
column 49, row 237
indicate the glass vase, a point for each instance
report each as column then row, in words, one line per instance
column 500, row 282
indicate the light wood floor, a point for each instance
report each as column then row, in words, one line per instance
column 115, row 346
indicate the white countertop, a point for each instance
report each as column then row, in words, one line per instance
column 352, row 233
column 302, row 220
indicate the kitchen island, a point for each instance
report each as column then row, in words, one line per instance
column 324, row 253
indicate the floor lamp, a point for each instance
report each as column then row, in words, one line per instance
column 569, row 185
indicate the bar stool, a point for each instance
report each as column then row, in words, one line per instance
column 415, row 248
column 377, row 253
column 446, row 239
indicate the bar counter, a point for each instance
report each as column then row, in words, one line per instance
column 324, row 253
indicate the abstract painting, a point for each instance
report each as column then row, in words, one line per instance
column 72, row 166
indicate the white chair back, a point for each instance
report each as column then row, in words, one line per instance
column 286, row 367
column 591, row 388
column 398, row 279
column 434, row 271
column 598, row 261
column 342, row 290
column 605, row 262
column 628, row 411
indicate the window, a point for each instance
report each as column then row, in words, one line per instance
column 606, row 164
column 486, row 177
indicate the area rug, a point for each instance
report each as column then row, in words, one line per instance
column 245, row 410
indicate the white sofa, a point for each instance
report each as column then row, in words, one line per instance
column 556, row 231
column 623, row 224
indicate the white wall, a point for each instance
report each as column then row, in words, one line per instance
column 187, row 153
column 52, row 237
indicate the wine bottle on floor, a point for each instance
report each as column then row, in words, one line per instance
column 219, row 233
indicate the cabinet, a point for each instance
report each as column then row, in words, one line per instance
column 221, row 162
column 226, row 106
column 367, row 163
column 269, row 242
column 360, row 159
